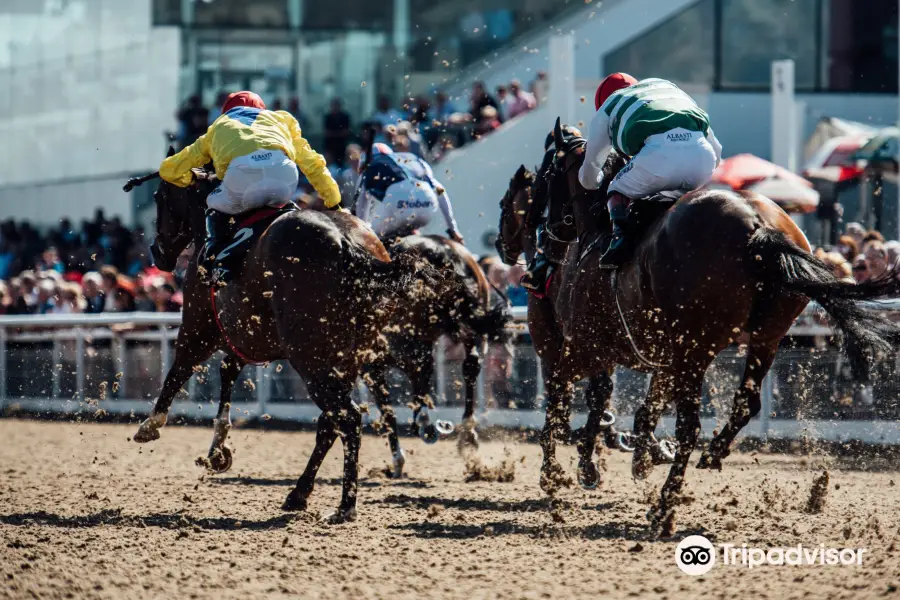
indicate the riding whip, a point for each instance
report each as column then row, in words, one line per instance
column 369, row 132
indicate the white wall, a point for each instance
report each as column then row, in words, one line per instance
column 46, row 204
column 83, row 104
column 599, row 28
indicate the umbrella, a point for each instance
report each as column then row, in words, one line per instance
column 749, row 172
column 790, row 196
column 833, row 161
column 880, row 149
column 829, row 128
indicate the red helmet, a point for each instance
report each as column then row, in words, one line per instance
column 613, row 83
column 243, row 99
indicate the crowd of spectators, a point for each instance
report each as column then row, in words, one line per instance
column 861, row 255
column 100, row 266
column 426, row 125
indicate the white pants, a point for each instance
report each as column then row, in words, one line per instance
column 676, row 160
column 406, row 205
column 262, row 178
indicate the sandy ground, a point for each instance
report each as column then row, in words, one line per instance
column 86, row 513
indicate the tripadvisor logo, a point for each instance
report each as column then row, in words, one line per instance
column 696, row 555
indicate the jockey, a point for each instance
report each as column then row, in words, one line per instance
column 399, row 194
column 255, row 153
column 663, row 131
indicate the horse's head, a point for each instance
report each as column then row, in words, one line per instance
column 514, row 209
column 179, row 219
column 569, row 156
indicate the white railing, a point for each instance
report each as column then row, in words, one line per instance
column 73, row 341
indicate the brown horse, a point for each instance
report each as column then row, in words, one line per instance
column 716, row 265
column 464, row 315
column 545, row 327
column 317, row 290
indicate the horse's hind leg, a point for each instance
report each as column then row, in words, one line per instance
column 645, row 421
column 687, row 391
column 420, row 371
column 597, row 395
column 471, row 368
column 190, row 351
column 746, row 404
column 326, row 433
column 349, row 421
column 340, row 416
column 219, row 453
column 374, row 377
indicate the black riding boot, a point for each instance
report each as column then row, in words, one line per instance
column 620, row 246
column 218, row 227
column 535, row 278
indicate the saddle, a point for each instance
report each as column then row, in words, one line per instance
column 247, row 228
column 394, row 237
column 643, row 213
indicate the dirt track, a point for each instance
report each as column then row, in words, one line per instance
column 86, row 513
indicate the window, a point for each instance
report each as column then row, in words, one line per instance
column 756, row 32
column 166, row 12
column 371, row 15
column 860, row 47
column 241, row 13
column 681, row 49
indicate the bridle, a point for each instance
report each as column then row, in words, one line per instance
column 506, row 206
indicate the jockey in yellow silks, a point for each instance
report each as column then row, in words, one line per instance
column 255, row 153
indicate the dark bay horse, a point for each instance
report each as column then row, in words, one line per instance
column 545, row 327
column 465, row 315
column 717, row 265
column 317, row 289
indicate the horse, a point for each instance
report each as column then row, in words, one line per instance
column 317, row 289
column 545, row 327
column 465, row 316
column 714, row 266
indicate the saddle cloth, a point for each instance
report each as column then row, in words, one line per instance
column 246, row 230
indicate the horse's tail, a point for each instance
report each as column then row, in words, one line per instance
column 406, row 275
column 868, row 336
column 491, row 323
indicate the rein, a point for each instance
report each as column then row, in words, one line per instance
column 561, row 170
column 641, row 358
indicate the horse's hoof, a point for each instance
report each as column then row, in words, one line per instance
column 607, row 419
column 428, row 434
column 708, row 461
column 553, row 478
column 294, row 502
column 444, row 427
column 399, row 463
column 468, row 440
column 220, row 459
column 147, row 432
column 641, row 464
column 340, row 516
column 625, row 441
column 589, row 476
column 663, row 452
column 433, row 432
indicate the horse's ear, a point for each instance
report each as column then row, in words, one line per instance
column 558, row 140
column 171, row 152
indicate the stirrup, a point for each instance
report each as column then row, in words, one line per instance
column 614, row 256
